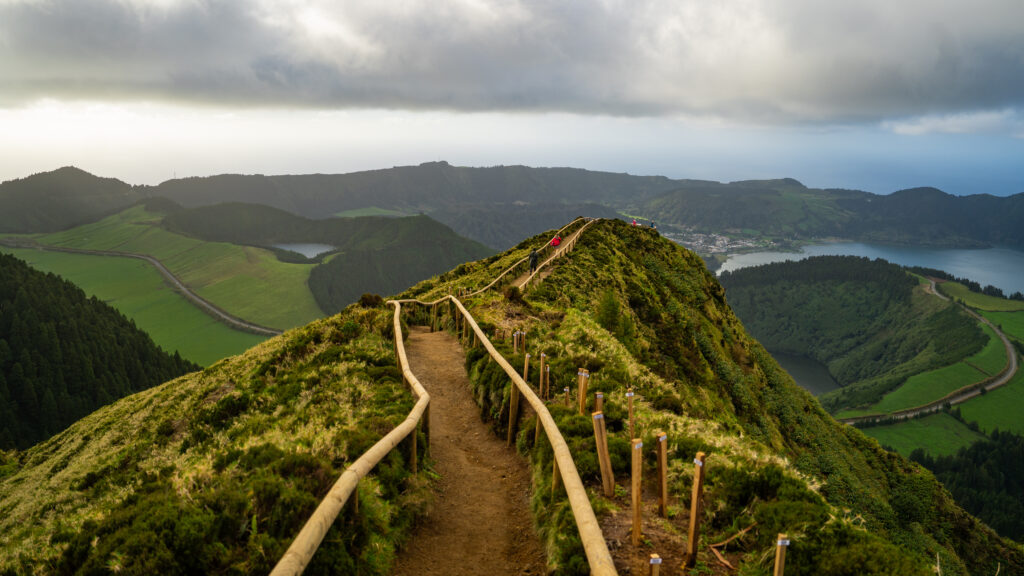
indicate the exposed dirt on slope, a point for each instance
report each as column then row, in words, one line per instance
column 480, row 522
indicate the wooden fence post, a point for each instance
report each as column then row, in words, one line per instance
column 605, row 461
column 629, row 400
column 513, row 412
column 413, row 436
column 662, row 473
column 584, row 375
column 547, row 382
column 655, row 564
column 780, row 554
column 555, row 477
column 637, row 490
column 695, row 510
column 567, row 397
column 599, row 402
column 540, row 380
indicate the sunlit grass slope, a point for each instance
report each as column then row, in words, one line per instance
column 958, row 291
column 138, row 291
column 640, row 311
column 248, row 282
column 217, row 471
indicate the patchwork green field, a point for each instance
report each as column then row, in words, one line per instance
column 245, row 281
column 1001, row 408
column 929, row 386
column 938, row 434
column 138, row 291
column 1011, row 323
column 979, row 301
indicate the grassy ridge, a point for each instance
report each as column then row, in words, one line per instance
column 247, row 282
column 1000, row 408
column 217, row 471
column 138, row 291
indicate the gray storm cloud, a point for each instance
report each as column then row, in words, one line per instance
column 781, row 60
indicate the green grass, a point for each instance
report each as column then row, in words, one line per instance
column 938, row 434
column 1001, row 408
column 923, row 388
column 928, row 386
column 979, row 301
column 138, row 291
column 992, row 358
column 1012, row 323
column 248, row 282
column 369, row 211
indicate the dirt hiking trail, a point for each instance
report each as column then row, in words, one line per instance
column 480, row 522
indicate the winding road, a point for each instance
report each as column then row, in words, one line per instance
column 963, row 394
column 179, row 286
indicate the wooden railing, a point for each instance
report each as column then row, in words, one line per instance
column 301, row 551
column 560, row 251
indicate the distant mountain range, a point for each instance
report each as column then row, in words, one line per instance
column 498, row 205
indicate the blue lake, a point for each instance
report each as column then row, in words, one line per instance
column 1000, row 267
column 307, row 250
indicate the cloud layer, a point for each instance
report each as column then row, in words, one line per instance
column 743, row 60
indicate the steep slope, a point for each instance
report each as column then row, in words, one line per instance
column 62, row 355
column 868, row 321
column 637, row 310
column 60, row 199
column 216, row 472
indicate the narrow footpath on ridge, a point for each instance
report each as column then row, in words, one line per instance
column 480, row 522
column 545, row 270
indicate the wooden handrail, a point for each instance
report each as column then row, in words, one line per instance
column 523, row 259
column 594, row 544
column 301, row 551
column 563, row 250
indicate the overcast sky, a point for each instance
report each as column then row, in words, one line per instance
column 871, row 94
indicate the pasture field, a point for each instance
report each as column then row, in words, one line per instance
column 938, row 434
column 245, row 281
column 979, row 301
column 138, row 291
column 1011, row 323
column 923, row 388
column 1001, row 408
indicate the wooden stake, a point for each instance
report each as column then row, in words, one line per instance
column 599, row 402
column 780, row 554
column 515, row 342
column 567, row 397
column 540, row 379
column 526, row 368
column 547, row 382
column 415, row 463
column 629, row 400
column 662, row 474
column 637, row 490
column 584, row 384
column 655, row 565
column 695, row 510
column 605, row 461
column 513, row 412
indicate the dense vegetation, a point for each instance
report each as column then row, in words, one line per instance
column 987, row 479
column 859, row 317
column 63, row 355
column 216, row 472
column 60, row 199
column 972, row 285
column 373, row 253
column 637, row 310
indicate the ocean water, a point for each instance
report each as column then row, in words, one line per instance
column 1000, row 267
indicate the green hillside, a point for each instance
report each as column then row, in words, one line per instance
column 868, row 321
column 61, row 199
column 215, row 471
column 62, row 355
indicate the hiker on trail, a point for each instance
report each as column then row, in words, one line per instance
column 634, row 221
column 556, row 240
column 533, row 261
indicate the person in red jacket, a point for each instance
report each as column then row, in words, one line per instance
column 556, row 240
